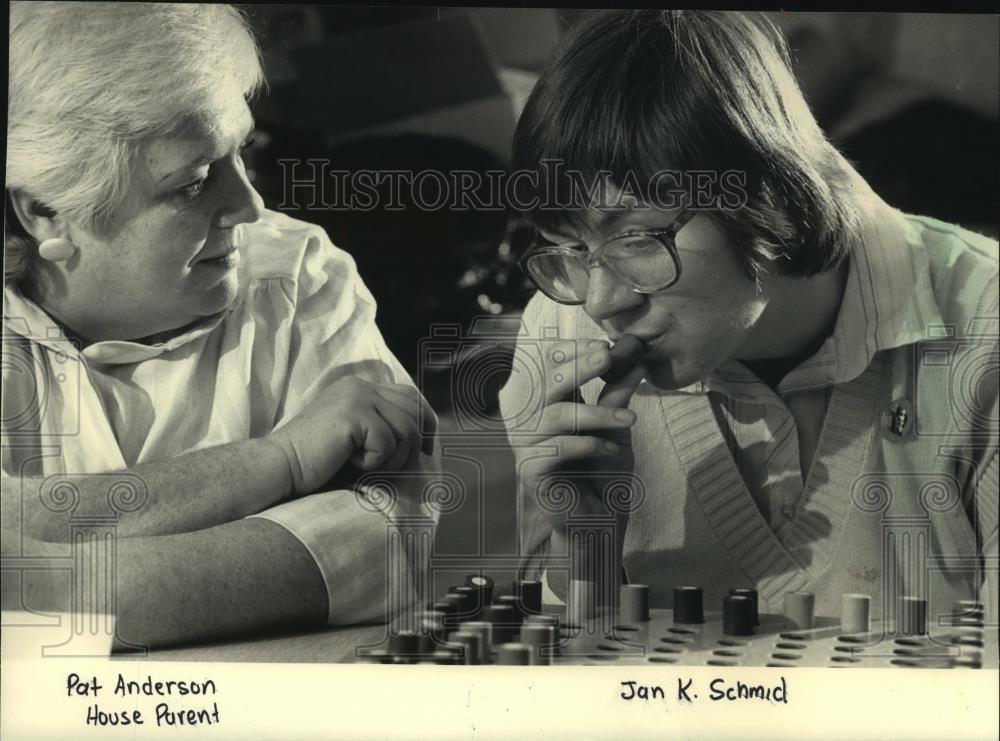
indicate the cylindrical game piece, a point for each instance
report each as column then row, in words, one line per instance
column 752, row 594
column 545, row 619
column 689, row 608
column 504, row 623
column 737, row 615
column 430, row 618
column 581, row 606
column 799, row 608
column 404, row 643
column 475, row 597
column 541, row 639
column 484, row 584
column 530, row 593
column 473, row 643
column 485, row 632
column 515, row 605
column 463, row 605
column 913, row 612
column 514, row 654
column 633, row 605
column 855, row 613
column 448, row 610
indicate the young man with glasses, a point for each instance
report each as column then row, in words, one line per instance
column 819, row 369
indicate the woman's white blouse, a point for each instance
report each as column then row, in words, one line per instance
column 302, row 319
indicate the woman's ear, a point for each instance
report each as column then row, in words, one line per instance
column 37, row 219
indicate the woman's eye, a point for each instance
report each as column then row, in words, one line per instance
column 192, row 190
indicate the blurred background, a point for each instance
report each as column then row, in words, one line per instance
column 911, row 99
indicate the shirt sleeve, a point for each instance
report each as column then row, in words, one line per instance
column 353, row 538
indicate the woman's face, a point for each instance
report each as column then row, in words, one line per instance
column 695, row 325
column 169, row 255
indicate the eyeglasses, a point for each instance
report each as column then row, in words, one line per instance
column 645, row 260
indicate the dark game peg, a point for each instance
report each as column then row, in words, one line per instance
column 505, row 623
column 737, row 615
column 688, row 605
column 446, row 607
column 483, row 583
column 752, row 594
column 529, row 591
column 475, row 597
column 464, row 605
column 404, row 643
column 515, row 603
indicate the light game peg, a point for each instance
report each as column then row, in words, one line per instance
column 752, row 594
column 541, row 639
column 545, row 619
column 737, row 615
column 800, row 607
column 580, row 607
column 485, row 632
column 473, row 646
column 855, row 613
column 689, row 606
column 514, row 654
column 634, row 603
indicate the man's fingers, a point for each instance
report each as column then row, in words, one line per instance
column 566, row 417
column 567, row 448
column 562, row 380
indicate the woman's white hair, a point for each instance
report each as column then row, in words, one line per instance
column 89, row 82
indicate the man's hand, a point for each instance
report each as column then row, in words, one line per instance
column 371, row 426
column 585, row 436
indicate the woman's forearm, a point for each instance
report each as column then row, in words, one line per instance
column 190, row 492
column 242, row 577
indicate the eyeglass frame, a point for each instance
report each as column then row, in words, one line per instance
column 665, row 236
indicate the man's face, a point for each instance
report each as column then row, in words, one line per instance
column 695, row 325
column 169, row 254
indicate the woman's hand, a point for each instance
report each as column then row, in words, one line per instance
column 371, row 426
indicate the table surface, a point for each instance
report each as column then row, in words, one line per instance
column 331, row 645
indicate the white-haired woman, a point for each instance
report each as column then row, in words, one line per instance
column 220, row 359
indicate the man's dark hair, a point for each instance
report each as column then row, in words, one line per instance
column 639, row 92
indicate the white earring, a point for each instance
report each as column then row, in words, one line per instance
column 56, row 249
